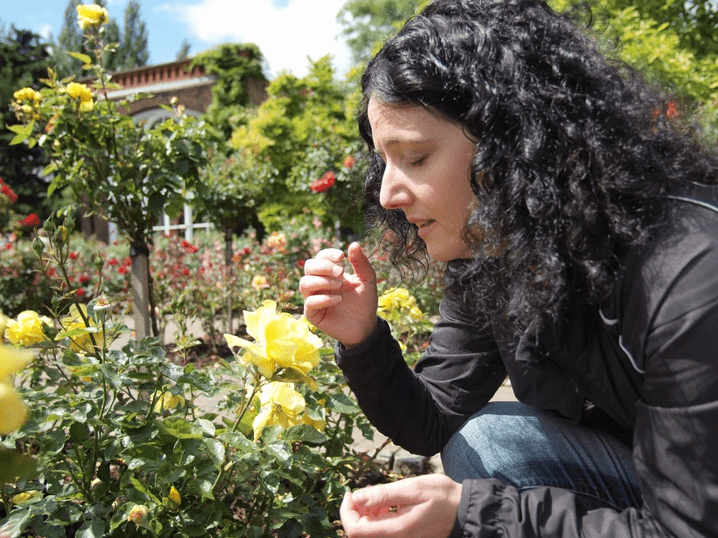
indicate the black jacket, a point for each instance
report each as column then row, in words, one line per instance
column 648, row 358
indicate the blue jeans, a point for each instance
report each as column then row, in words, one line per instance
column 527, row 448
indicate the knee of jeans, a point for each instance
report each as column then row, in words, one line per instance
column 486, row 445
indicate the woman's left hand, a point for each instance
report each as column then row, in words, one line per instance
column 420, row 507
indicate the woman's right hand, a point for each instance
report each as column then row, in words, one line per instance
column 341, row 305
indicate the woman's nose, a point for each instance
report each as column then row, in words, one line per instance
column 394, row 192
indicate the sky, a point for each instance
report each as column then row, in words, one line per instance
column 286, row 31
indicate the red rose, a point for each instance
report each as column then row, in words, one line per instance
column 7, row 191
column 31, row 220
column 349, row 162
column 73, row 255
column 671, row 111
column 324, row 183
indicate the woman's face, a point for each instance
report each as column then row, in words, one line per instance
column 427, row 174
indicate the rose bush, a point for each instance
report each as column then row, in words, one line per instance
column 128, row 443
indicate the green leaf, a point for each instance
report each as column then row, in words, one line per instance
column 206, row 426
column 92, row 529
column 305, row 433
column 79, row 431
column 341, row 403
column 139, row 486
column 216, row 450
column 84, row 58
column 22, row 132
column 15, row 524
column 179, row 428
column 14, row 465
column 239, row 441
column 281, row 451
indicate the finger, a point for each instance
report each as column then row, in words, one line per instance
column 347, row 513
column 315, row 303
column 332, row 254
column 399, row 493
column 312, row 285
column 323, row 267
column 360, row 263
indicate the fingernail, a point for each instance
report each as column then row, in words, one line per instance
column 336, row 283
column 337, row 270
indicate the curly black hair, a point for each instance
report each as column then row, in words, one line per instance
column 574, row 154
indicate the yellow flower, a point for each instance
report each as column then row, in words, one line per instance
column 13, row 412
column 280, row 341
column 3, row 324
column 260, row 282
column 281, row 405
column 277, row 241
column 75, row 329
column 318, row 425
column 139, row 515
column 91, row 15
column 174, row 498
column 400, row 301
column 167, row 401
column 81, row 92
column 27, row 329
column 28, row 94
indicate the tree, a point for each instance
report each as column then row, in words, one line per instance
column 368, row 22
column 304, row 132
column 694, row 22
column 134, row 39
column 24, row 58
column 129, row 174
column 666, row 51
column 183, row 52
column 70, row 39
column 131, row 41
column 235, row 64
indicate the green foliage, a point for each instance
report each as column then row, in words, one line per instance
column 673, row 44
column 23, row 60
column 114, row 164
column 128, row 443
column 235, row 65
column 368, row 23
column 302, row 131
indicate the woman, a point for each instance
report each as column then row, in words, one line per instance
column 579, row 227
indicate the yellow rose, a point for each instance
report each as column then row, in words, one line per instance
column 81, row 92
column 281, row 405
column 27, row 329
column 173, row 498
column 280, row 341
column 401, row 302
column 3, row 324
column 91, row 15
column 13, row 411
column 167, row 401
column 260, row 282
column 28, row 94
column 75, row 329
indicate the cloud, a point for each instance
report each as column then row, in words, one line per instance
column 286, row 32
column 45, row 31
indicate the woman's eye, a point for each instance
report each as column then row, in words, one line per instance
column 417, row 160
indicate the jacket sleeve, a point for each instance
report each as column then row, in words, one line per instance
column 419, row 409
